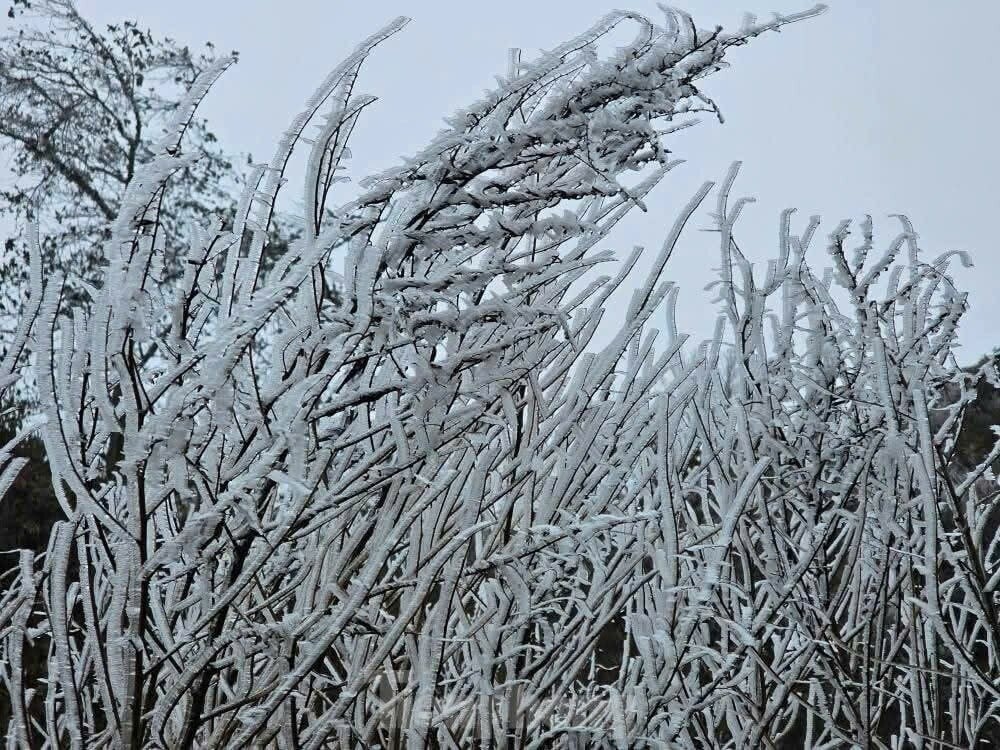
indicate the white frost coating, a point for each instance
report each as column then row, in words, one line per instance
column 423, row 514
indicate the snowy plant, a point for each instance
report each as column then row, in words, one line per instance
column 429, row 510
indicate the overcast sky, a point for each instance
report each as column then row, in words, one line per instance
column 881, row 107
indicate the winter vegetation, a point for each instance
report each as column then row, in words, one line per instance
column 387, row 491
column 81, row 109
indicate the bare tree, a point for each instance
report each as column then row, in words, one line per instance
column 418, row 513
column 80, row 109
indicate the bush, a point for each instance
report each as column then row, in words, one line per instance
column 420, row 512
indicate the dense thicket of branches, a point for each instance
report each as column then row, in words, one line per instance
column 424, row 513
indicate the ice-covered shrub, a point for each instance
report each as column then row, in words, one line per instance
column 428, row 511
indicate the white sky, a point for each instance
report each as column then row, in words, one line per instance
column 878, row 106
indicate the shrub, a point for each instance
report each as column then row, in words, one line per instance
column 422, row 512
